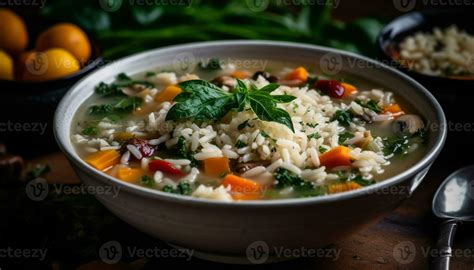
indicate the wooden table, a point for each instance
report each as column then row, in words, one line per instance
column 381, row 246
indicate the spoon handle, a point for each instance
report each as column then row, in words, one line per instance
column 445, row 241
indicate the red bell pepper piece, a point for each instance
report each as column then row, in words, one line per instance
column 164, row 166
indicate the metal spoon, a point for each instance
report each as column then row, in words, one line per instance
column 453, row 201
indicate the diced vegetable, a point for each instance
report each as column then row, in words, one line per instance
column 164, row 166
column 286, row 179
column 393, row 109
column 128, row 174
column 299, row 73
column 239, row 74
column 349, row 89
column 338, row 156
column 341, row 187
column 242, row 188
column 218, row 166
column 103, row 159
column 168, row 94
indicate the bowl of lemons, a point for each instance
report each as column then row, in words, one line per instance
column 39, row 62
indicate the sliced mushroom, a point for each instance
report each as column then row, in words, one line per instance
column 408, row 124
column 243, row 167
column 224, row 81
column 267, row 76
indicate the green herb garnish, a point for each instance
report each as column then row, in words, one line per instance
column 115, row 88
column 396, row 145
column 243, row 125
column 183, row 188
column 362, row 181
column 101, row 109
column 343, row 137
column 314, row 136
column 304, row 188
column 322, row 149
column 343, row 117
column 240, row 144
column 371, row 105
column 90, row 131
column 147, row 181
column 201, row 100
column 184, row 153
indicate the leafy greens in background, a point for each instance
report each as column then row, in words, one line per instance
column 123, row 28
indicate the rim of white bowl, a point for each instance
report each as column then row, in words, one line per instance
column 63, row 138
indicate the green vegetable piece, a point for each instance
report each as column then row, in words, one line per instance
column 147, row 181
column 286, row 179
column 343, row 117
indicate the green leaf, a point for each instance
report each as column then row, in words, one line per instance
column 283, row 98
column 183, row 188
column 90, row 131
column 147, row 181
column 128, row 104
column 201, row 100
column 102, row 109
column 343, row 117
column 343, row 137
column 362, row 181
column 371, row 105
column 269, row 88
column 285, row 179
column 240, row 144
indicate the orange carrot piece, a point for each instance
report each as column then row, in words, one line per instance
column 128, row 174
column 393, row 109
column 216, row 166
column 168, row 94
column 338, row 156
column 239, row 74
column 242, row 188
column 341, row 187
column 103, row 160
column 349, row 89
column 299, row 73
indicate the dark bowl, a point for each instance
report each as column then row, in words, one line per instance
column 406, row 25
column 27, row 108
column 454, row 95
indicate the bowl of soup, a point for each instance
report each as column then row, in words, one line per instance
column 222, row 146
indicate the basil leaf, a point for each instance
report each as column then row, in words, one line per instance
column 201, row 100
column 269, row 88
column 283, row 98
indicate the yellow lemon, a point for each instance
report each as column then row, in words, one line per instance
column 52, row 64
column 67, row 36
column 6, row 66
column 13, row 34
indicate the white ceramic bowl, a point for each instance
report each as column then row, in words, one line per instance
column 224, row 231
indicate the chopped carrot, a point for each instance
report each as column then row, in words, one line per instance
column 349, row 89
column 123, row 136
column 299, row 73
column 128, row 174
column 216, row 166
column 393, row 109
column 341, row 187
column 168, row 94
column 103, row 160
column 338, row 156
column 239, row 74
column 242, row 188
